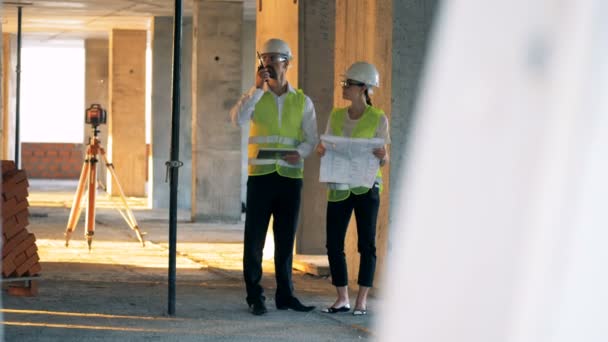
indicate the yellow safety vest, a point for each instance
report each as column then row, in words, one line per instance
column 266, row 133
column 365, row 128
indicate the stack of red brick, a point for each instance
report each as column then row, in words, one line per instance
column 19, row 251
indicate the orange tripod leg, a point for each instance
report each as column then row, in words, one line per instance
column 77, row 203
column 128, row 215
column 90, row 218
column 88, row 182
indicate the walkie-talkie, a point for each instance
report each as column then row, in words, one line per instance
column 271, row 72
column 261, row 66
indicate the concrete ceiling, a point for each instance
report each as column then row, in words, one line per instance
column 48, row 20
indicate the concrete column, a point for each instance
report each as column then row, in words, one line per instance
column 364, row 32
column 317, row 40
column 412, row 21
column 216, row 85
column 9, row 65
column 127, row 140
column 96, row 91
column 280, row 19
column 162, row 78
column 327, row 37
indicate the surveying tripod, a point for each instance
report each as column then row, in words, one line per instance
column 88, row 183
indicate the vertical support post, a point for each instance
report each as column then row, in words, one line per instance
column 18, row 83
column 173, row 165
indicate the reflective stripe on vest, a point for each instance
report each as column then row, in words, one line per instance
column 266, row 133
column 274, row 140
column 279, row 162
column 365, row 128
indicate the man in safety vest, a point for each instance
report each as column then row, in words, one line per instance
column 283, row 131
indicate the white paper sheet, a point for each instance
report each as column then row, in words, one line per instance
column 349, row 160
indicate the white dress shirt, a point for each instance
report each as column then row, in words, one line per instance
column 242, row 112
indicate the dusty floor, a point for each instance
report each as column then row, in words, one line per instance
column 118, row 291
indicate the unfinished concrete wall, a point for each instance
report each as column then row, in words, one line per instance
column 162, row 80
column 412, row 22
column 96, row 91
column 330, row 36
column 364, row 33
column 249, row 63
column 127, row 126
column 317, row 78
column 280, row 19
column 9, row 66
column 216, row 86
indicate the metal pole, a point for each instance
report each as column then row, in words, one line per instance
column 174, row 164
column 18, row 90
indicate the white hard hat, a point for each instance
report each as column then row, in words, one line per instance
column 364, row 72
column 279, row 46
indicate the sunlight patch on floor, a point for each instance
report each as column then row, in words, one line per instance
column 110, row 253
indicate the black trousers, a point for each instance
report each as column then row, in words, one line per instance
column 338, row 215
column 278, row 196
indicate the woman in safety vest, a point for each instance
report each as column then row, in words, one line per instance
column 359, row 120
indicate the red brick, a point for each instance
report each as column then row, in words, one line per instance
column 11, row 220
column 6, row 201
column 20, row 258
column 8, row 208
column 14, row 242
column 8, row 267
column 79, row 155
column 25, row 244
column 18, row 191
column 22, row 204
column 52, row 164
column 24, row 291
column 31, row 251
column 23, row 217
column 24, row 267
column 7, row 165
column 8, row 231
column 35, row 269
column 13, row 227
column 12, row 207
column 15, row 177
column 8, row 189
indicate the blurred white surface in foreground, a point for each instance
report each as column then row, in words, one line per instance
column 503, row 232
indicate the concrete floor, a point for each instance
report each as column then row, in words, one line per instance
column 118, row 291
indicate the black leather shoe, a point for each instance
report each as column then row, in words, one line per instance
column 258, row 308
column 294, row 304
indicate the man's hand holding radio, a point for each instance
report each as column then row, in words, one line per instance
column 263, row 75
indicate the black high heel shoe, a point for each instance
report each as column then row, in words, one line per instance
column 332, row 310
